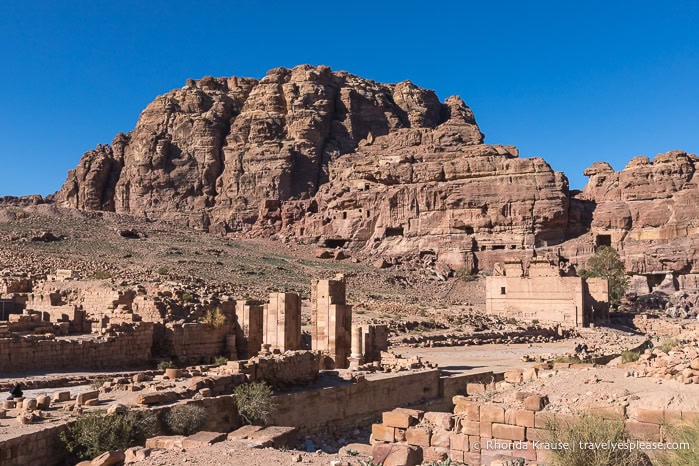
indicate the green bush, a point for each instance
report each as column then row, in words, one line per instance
column 607, row 264
column 568, row 360
column 102, row 275
column 94, row 433
column 163, row 270
column 629, row 356
column 254, row 402
column 185, row 419
column 590, row 429
column 162, row 365
column 668, row 345
column 221, row 361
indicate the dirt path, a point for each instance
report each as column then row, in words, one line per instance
column 461, row 359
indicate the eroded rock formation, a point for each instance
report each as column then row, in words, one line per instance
column 649, row 212
column 386, row 169
column 325, row 155
column 215, row 149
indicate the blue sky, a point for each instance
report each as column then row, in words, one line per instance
column 573, row 82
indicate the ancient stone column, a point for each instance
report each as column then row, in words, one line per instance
column 249, row 328
column 357, row 342
column 282, row 321
column 355, row 359
column 331, row 320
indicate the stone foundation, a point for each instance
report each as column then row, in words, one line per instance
column 293, row 368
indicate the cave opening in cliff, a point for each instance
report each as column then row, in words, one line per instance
column 394, row 231
column 654, row 280
column 335, row 243
column 603, row 240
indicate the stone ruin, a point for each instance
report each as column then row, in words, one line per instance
column 66, row 309
column 543, row 293
column 249, row 330
column 331, row 322
column 281, row 322
column 276, row 327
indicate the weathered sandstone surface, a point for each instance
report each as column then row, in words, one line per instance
column 327, row 156
column 314, row 155
column 649, row 212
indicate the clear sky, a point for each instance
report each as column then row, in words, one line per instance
column 573, row 82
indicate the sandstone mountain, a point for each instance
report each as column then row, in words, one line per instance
column 649, row 211
column 386, row 170
column 325, row 156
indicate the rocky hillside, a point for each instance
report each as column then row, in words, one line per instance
column 317, row 156
column 213, row 150
column 325, row 156
column 649, row 212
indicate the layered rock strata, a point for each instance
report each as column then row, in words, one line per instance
column 330, row 156
column 649, row 212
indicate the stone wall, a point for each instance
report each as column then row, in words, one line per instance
column 547, row 299
column 477, row 433
column 193, row 342
column 540, row 292
column 652, row 325
column 44, row 448
column 40, row 448
column 348, row 405
column 15, row 285
column 290, row 369
column 130, row 347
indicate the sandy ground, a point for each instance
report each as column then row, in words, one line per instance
column 574, row 390
column 457, row 360
column 226, row 453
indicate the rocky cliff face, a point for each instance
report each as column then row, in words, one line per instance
column 314, row 155
column 649, row 212
column 213, row 150
column 439, row 193
column 325, row 156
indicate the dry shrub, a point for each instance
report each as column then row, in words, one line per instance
column 687, row 452
column 254, row 402
column 591, row 429
column 185, row 419
column 215, row 318
column 95, row 432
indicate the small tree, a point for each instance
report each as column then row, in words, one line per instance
column 254, row 402
column 606, row 264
